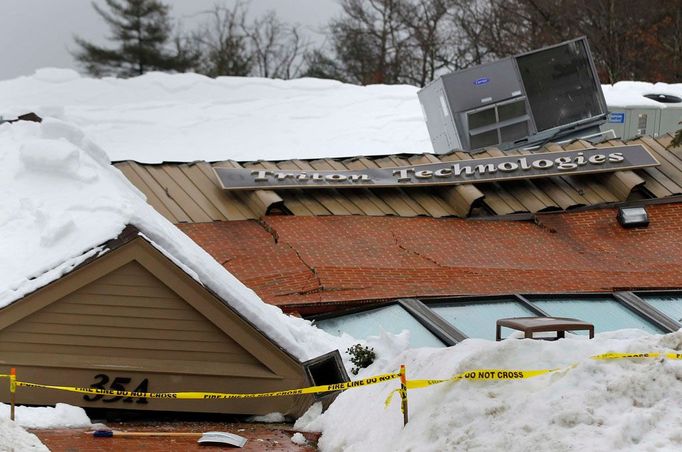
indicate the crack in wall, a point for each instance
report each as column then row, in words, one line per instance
column 275, row 236
column 269, row 229
column 416, row 253
column 320, row 290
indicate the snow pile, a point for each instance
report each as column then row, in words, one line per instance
column 624, row 404
column 185, row 117
column 59, row 416
column 15, row 438
column 631, row 94
column 61, row 198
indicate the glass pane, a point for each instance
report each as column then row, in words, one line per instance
column 670, row 305
column 479, row 319
column 393, row 319
column 606, row 314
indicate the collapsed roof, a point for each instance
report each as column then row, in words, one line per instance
column 62, row 200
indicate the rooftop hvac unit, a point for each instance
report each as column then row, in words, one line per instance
column 518, row 101
column 632, row 121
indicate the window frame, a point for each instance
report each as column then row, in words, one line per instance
column 428, row 302
column 420, row 308
column 672, row 324
column 436, row 325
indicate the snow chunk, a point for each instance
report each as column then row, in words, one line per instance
column 304, row 422
column 57, row 157
column 270, row 418
column 59, row 416
column 299, row 439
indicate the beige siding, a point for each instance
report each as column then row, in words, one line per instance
column 127, row 315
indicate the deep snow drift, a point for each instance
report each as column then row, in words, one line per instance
column 185, row 117
column 61, row 198
column 629, row 404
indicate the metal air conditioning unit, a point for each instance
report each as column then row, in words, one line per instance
column 518, row 101
column 632, row 120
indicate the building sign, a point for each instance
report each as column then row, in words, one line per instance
column 564, row 163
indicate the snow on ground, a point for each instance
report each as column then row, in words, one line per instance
column 186, row 117
column 58, row 416
column 13, row 438
column 61, row 198
column 625, row 404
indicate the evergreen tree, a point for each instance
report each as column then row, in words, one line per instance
column 142, row 30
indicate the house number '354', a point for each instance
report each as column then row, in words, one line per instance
column 118, row 384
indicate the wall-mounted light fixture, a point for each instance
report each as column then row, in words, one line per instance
column 633, row 217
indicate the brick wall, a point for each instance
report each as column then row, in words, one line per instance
column 294, row 261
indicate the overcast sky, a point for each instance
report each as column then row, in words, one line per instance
column 39, row 33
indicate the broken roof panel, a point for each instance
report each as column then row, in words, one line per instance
column 190, row 192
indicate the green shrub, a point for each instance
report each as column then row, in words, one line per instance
column 361, row 356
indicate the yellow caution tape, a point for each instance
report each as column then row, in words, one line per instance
column 478, row 374
column 220, row 395
column 605, row 356
column 504, row 374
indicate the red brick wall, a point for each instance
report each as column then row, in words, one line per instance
column 291, row 261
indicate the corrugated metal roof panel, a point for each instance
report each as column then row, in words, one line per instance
column 185, row 192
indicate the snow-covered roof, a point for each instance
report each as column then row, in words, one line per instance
column 631, row 94
column 61, row 199
column 186, row 117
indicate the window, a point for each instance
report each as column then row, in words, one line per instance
column 668, row 304
column 478, row 318
column 393, row 319
column 605, row 313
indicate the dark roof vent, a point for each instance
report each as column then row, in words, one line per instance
column 664, row 98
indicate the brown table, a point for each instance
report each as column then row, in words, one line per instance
column 530, row 325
